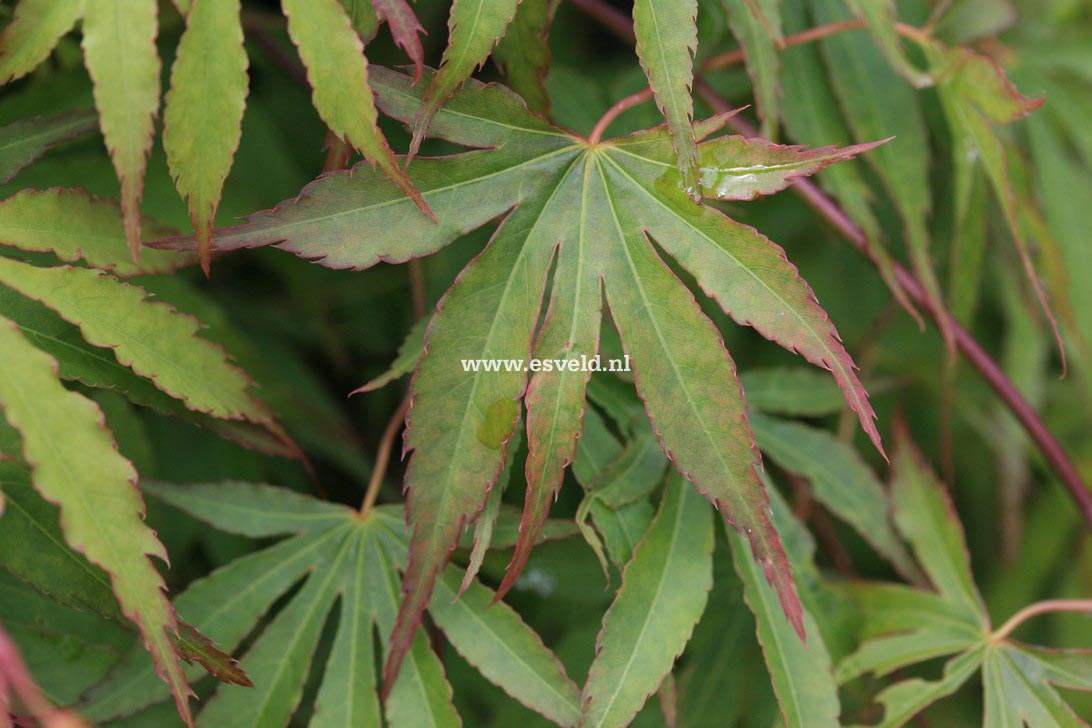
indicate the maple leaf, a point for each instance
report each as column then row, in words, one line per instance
column 903, row 626
column 345, row 556
column 603, row 216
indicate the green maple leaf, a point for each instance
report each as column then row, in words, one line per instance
column 348, row 563
column 904, row 625
column 604, row 217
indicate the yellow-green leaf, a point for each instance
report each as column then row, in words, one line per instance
column 202, row 122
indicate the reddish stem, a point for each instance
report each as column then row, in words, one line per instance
column 615, row 111
column 1034, row 610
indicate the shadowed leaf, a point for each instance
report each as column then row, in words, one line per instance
column 32, row 34
column 25, row 141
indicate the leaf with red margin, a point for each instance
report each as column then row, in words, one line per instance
column 975, row 92
column 474, row 29
column 405, row 29
column 75, row 465
column 202, row 122
column 667, row 37
column 151, row 338
column 337, row 70
column 746, row 273
column 122, row 59
column 72, row 224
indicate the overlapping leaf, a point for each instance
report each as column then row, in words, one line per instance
column 667, row 37
column 34, row 552
column 976, row 94
column 31, row 36
column 604, row 205
column 757, row 33
column 801, row 674
column 73, row 225
column 474, row 29
column 75, row 465
column 338, row 73
column 203, row 119
column 882, row 21
column 118, row 315
column 812, row 116
column 859, row 75
column 348, row 566
column 663, row 594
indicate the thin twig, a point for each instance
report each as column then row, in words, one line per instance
column 615, row 111
column 383, row 456
column 1055, row 455
column 1034, row 610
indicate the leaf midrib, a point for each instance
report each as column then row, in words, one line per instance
column 832, row 359
column 669, row 551
column 715, row 446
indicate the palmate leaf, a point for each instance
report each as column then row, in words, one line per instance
column 76, row 466
column 99, row 368
column 840, row 479
column 34, row 551
column 24, row 141
column 812, row 116
column 608, row 206
column 859, row 74
column 613, row 531
column 801, row 674
column 348, row 564
column 975, row 94
column 202, row 122
column 902, row 626
column 881, row 17
column 121, row 57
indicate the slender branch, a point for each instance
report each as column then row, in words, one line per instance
column 383, row 456
column 615, row 111
column 1034, row 610
column 1055, row 455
